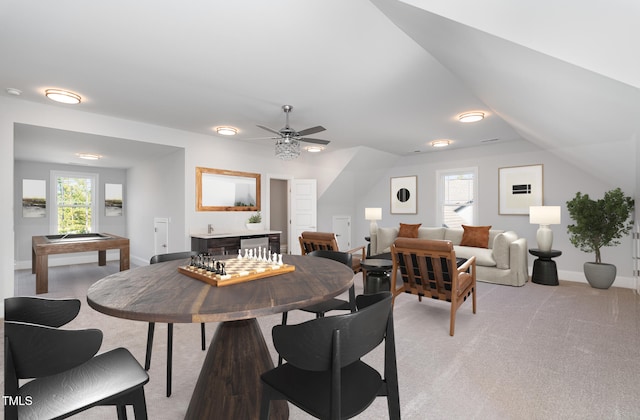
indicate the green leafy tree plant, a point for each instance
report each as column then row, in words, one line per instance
column 599, row 223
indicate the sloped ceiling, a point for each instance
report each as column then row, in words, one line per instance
column 385, row 74
column 587, row 118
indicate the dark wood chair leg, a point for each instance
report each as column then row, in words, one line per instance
column 147, row 359
column 284, row 322
column 202, row 333
column 122, row 411
column 139, row 405
column 169, row 356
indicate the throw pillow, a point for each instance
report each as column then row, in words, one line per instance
column 408, row 231
column 477, row 236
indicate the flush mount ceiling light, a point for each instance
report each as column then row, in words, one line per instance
column 227, row 131
column 88, row 156
column 314, row 149
column 62, row 96
column 468, row 117
column 440, row 143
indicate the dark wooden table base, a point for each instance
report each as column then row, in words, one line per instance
column 234, row 390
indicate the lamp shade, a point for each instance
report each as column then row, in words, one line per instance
column 373, row 213
column 544, row 215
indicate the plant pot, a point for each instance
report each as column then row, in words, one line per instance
column 600, row 276
column 254, row 226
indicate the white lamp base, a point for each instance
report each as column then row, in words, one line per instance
column 373, row 228
column 544, row 236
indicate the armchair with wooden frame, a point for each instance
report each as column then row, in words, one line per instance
column 429, row 268
column 326, row 241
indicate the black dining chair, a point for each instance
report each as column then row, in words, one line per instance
column 172, row 256
column 42, row 311
column 334, row 304
column 66, row 376
column 324, row 374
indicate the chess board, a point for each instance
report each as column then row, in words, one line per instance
column 239, row 270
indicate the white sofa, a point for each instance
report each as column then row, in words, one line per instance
column 504, row 262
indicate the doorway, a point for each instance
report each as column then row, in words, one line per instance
column 278, row 213
column 342, row 228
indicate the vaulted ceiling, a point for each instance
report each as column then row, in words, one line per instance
column 390, row 75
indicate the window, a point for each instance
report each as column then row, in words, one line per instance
column 75, row 196
column 457, row 191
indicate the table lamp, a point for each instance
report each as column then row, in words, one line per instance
column 372, row 214
column 544, row 216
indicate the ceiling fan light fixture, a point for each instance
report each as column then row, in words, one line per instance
column 287, row 148
column 63, row 96
column 227, row 131
column 440, row 143
column 469, row 117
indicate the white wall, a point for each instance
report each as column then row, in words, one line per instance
column 200, row 150
column 347, row 185
column 155, row 189
column 25, row 228
column 561, row 181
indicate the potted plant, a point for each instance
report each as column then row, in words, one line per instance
column 599, row 223
column 255, row 221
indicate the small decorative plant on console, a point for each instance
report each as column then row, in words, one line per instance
column 255, row 221
column 599, row 223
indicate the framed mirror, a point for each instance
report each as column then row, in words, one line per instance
column 222, row 190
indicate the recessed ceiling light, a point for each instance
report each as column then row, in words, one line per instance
column 440, row 143
column 227, row 131
column 63, row 96
column 14, row 91
column 88, row 156
column 468, row 117
column 314, row 149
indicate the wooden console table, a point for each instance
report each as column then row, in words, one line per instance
column 43, row 246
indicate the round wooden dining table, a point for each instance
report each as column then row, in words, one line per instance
column 228, row 386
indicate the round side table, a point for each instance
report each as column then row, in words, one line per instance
column 376, row 275
column 544, row 268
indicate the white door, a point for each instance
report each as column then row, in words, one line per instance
column 303, row 210
column 161, row 235
column 342, row 229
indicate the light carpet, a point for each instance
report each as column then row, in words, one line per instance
column 531, row 352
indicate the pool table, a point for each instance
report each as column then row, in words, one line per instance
column 43, row 246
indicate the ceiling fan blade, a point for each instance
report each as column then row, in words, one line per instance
column 264, row 138
column 269, row 129
column 311, row 130
column 316, row 141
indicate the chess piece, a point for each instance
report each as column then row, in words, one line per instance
column 239, row 254
column 280, row 259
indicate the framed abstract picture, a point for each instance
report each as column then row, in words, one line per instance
column 404, row 195
column 519, row 187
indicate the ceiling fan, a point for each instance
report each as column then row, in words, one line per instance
column 289, row 133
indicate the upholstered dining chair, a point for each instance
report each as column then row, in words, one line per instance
column 325, row 375
column 318, row 241
column 429, row 268
column 171, row 256
column 334, row 304
column 64, row 375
